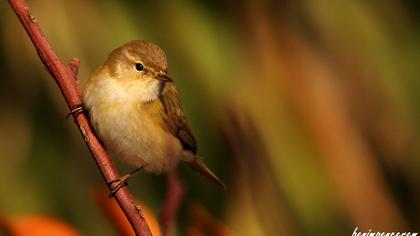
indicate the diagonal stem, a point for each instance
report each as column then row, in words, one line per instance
column 65, row 77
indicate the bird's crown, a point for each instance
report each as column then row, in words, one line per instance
column 148, row 53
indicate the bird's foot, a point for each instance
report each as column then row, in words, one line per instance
column 116, row 184
column 75, row 110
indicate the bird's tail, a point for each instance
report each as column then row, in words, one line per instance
column 198, row 165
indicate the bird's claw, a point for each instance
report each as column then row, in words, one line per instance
column 75, row 110
column 121, row 182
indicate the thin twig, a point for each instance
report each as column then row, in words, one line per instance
column 65, row 77
column 174, row 196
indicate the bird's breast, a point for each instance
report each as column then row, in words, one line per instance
column 131, row 129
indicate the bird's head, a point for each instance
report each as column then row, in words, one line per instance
column 140, row 66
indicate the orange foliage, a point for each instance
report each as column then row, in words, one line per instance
column 202, row 223
column 39, row 225
column 118, row 219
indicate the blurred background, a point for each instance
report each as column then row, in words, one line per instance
column 308, row 110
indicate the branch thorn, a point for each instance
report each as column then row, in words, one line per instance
column 74, row 66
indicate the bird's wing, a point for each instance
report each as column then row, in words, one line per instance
column 176, row 123
column 175, row 118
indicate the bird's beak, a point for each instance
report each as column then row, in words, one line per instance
column 163, row 76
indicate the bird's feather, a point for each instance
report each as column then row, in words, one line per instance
column 175, row 119
column 176, row 123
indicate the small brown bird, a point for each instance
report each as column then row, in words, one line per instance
column 134, row 107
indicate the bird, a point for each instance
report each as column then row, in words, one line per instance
column 134, row 107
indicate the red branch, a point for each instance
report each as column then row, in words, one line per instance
column 65, row 77
column 174, row 196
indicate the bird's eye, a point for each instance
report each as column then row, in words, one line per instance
column 139, row 67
